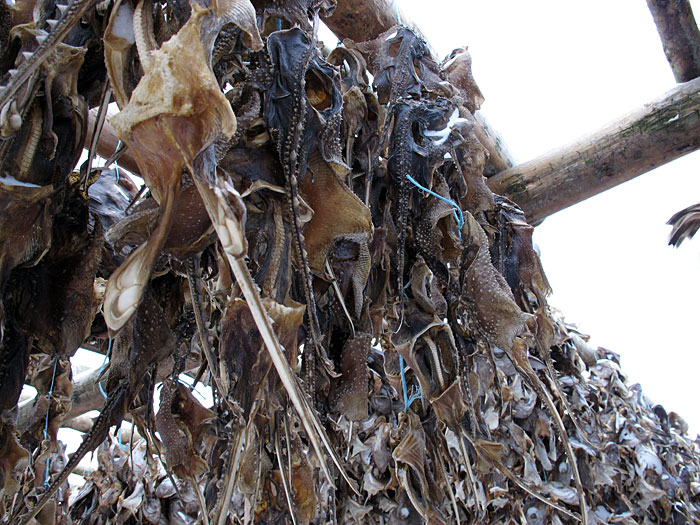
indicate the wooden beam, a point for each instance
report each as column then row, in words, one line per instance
column 679, row 35
column 651, row 136
column 499, row 157
column 87, row 395
column 362, row 20
column 107, row 144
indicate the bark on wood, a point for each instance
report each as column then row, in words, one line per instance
column 651, row 136
column 363, row 20
column 679, row 35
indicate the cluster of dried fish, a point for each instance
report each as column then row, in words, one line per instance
column 317, row 244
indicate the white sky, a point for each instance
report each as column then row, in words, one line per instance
column 554, row 70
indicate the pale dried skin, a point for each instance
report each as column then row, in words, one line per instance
column 337, row 211
column 426, row 290
column 13, row 458
column 457, row 70
column 176, row 111
column 351, row 393
column 181, row 422
column 351, row 262
column 242, row 352
column 499, row 316
column 401, row 64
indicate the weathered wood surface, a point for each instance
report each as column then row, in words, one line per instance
column 499, row 157
column 679, row 35
column 657, row 133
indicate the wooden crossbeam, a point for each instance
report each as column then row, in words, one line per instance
column 679, row 36
column 362, row 20
column 88, row 396
column 107, row 143
column 657, row 133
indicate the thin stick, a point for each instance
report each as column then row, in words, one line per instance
column 99, row 122
column 285, row 481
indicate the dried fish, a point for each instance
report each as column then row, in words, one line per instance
column 317, row 252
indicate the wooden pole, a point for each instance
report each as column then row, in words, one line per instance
column 651, row 136
column 363, row 20
column 107, row 144
column 679, row 36
column 499, row 157
column 87, row 395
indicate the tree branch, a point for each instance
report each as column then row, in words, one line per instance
column 679, row 35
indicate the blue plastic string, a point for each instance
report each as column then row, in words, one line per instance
column 102, row 390
column 278, row 24
column 403, row 384
column 457, row 212
column 46, row 425
column 415, row 393
column 116, row 165
column 398, row 16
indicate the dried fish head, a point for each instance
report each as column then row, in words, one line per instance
column 176, row 111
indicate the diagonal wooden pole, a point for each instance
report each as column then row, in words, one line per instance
column 656, row 133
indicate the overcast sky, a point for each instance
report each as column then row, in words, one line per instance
column 554, row 70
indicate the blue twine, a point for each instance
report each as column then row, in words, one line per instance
column 102, row 390
column 278, row 22
column 116, row 164
column 415, row 394
column 398, row 16
column 46, row 425
column 457, row 212
column 406, row 288
column 403, row 384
